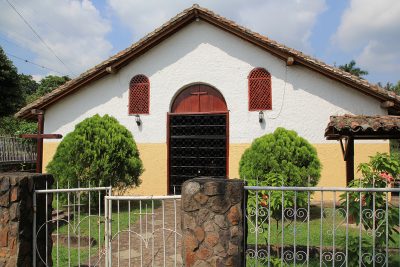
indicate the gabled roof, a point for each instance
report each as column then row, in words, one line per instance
column 363, row 127
column 184, row 18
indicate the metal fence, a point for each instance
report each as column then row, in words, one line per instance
column 90, row 227
column 286, row 226
column 17, row 150
column 76, row 226
column 314, row 226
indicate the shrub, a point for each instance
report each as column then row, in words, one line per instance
column 279, row 159
column 100, row 151
column 380, row 172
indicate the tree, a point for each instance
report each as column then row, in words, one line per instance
column 48, row 84
column 100, row 151
column 11, row 95
column 351, row 68
column 15, row 91
column 28, row 84
column 13, row 126
column 391, row 87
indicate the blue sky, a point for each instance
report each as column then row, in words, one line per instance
column 83, row 33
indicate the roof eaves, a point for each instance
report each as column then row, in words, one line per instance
column 117, row 61
column 123, row 57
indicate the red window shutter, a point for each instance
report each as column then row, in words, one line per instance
column 139, row 95
column 260, row 90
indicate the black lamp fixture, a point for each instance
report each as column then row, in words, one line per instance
column 261, row 116
column 138, row 120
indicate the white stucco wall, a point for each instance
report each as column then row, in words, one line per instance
column 303, row 100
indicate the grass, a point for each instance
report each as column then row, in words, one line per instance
column 394, row 260
column 315, row 239
column 94, row 227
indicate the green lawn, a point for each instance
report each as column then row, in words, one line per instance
column 394, row 260
column 301, row 238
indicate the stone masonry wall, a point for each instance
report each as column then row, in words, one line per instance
column 16, row 217
column 212, row 222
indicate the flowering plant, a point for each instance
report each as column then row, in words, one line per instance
column 373, row 209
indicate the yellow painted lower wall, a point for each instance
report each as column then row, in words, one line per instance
column 154, row 177
column 49, row 149
column 154, row 157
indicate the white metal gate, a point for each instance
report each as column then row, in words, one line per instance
column 90, row 227
column 152, row 236
column 76, row 226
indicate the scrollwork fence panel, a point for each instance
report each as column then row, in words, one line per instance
column 319, row 226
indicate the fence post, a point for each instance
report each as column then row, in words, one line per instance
column 213, row 222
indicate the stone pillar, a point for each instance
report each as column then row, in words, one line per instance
column 16, row 217
column 212, row 222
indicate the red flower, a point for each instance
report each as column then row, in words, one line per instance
column 386, row 176
column 263, row 203
column 264, row 200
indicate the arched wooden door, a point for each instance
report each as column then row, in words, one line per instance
column 197, row 136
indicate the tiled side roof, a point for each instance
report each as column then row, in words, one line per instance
column 353, row 125
column 125, row 56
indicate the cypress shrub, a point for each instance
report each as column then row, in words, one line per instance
column 100, row 151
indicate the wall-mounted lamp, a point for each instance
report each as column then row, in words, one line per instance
column 260, row 116
column 138, row 120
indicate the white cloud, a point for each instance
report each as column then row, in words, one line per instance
column 370, row 28
column 37, row 77
column 289, row 22
column 75, row 30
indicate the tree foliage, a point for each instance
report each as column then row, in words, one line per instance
column 28, row 84
column 351, row 68
column 13, row 126
column 100, row 151
column 10, row 91
column 16, row 90
column 391, row 87
column 46, row 85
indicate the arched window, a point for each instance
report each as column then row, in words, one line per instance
column 139, row 95
column 260, row 90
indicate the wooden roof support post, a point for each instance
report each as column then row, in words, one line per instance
column 349, row 158
column 40, row 127
column 39, row 138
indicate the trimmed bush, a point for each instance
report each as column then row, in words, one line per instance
column 100, row 151
column 280, row 158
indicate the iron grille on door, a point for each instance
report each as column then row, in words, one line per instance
column 197, row 147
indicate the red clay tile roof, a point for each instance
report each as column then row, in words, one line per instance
column 363, row 127
column 184, row 18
